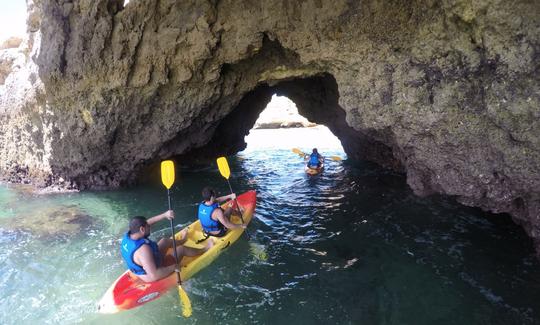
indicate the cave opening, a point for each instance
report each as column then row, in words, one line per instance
column 317, row 99
column 280, row 126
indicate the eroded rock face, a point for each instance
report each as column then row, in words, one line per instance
column 447, row 91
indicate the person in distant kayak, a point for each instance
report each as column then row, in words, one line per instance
column 214, row 220
column 144, row 257
column 315, row 160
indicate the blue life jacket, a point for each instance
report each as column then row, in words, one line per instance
column 314, row 160
column 205, row 216
column 128, row 248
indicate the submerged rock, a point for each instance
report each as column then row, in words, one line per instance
column 50, row 223
column 445, row 91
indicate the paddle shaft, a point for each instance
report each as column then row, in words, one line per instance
column 240, row 212
column 174, row 242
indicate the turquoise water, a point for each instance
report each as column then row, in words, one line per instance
column 350, row 246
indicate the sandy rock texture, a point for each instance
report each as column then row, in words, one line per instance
column 446, row 91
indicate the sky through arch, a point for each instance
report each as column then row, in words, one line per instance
column 281, row 110
column 12, row 19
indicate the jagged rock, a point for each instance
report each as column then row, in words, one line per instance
column 446, row 91
column 6, row 63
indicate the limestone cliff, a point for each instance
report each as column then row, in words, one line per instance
column 447, row 91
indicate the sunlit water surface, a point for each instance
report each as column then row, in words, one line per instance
column 350, row 246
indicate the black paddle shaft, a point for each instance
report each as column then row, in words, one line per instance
column 239, row 212
column 174, row 242
column 237, row 206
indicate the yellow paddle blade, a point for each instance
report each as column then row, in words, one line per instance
column 336, row 158
column 298, row 151
column 167, row 173
column 223, row 166
column 184, row 302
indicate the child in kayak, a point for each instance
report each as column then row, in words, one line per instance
column 144, row 257
column 214, row 220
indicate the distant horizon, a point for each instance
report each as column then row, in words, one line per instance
column 12, row 19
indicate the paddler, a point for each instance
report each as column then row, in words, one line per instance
column 315, row 160
column 144, row 257
column 214, row 220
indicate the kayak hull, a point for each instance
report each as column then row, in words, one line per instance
column 128, row 291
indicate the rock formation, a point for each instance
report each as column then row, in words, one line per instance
column 281, row 112
column 446, row 91
column 7, row 58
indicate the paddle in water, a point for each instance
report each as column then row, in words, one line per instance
column 167, row 178
column 225, row 171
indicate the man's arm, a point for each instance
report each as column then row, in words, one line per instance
column 165, row 215
column 218, row 213
column 224, row 198
column 144, row 257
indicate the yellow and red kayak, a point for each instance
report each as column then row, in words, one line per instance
column 314, row 171
column 128, row 291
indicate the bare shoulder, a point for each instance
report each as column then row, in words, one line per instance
column 218, row 215
column 217, row 212
column 144, row 252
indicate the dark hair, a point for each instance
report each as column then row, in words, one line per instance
column 136, row 223
column 207, row 193
column 315, row 150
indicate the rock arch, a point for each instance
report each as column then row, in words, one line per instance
column 317, row 98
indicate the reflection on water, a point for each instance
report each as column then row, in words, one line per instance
column 350, row 246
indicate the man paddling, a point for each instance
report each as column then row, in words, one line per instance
column 214, row 220
column 145, row 257
column 315, row 159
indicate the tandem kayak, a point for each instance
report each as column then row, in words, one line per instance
column 314, row 171
column 128, row 291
